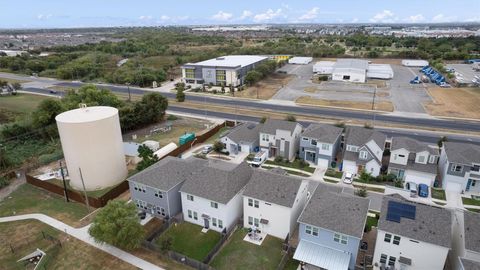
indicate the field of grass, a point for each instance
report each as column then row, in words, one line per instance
column 470, row 201
column 438, row 194
column 32, row 150
column 374, row 189
column 241, row 255
column 292, row 264
column 25, row 237
column 28, row 199
column 454, row 102
column 292, row 172
column 386, row 106
column 473, row 210
column 333, row 173
column 266, row 88
column 330, row 181
column 21, row 103
column 188, row 240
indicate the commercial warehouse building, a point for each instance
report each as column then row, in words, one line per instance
column 225, row 70
column 353, row 70
column 300, row 60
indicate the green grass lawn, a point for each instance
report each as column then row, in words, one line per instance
column 372, row 221
column 333, row 173
column 94, row 194
column 239, row 254
column 217, row 135
column 292, row 264
column 473, row 210
column 330, row 181
column 288, row 171
column 375, row 189
column 295, row 165
column 470, row 201
column 29, row 199
column 21, row 103
column 188, row 239
column 438, row 194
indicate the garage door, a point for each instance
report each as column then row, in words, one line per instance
column 322, row 163
column 454, row 187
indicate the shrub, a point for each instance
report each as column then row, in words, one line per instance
column 361, row 192
column 4, row 182
column 250, row 157
column 290, row 118
column 278, row 159
column 172, row 117
column 218, row 146
column 323, row 78
column 302, row 163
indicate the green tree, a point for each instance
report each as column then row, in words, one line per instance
column 92, row 96
column 180, row 94
column 361, row 192
column 16, row 86
column 151, row 108
column 117, row 224
column 365, row 177
column 290, row 118
column 148, row 157
column 252, row 77
column 441, row 141
column 46, row 112
column 263, row 120
column 218, row 146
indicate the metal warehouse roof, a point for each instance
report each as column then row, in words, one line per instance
column 321, row 256
column 230, row 61
column 351, row 64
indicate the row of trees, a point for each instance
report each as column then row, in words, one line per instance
column 261, row 71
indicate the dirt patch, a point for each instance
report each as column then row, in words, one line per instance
column 379, row 106
column 310, row 89
column 266, row 88
column 454, row 102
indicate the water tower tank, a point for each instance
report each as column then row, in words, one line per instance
column 92, row 140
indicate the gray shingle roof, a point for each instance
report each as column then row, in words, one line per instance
column 463, row 153
column 273, row 187
column 432, row 224
column 412, row 145
column 218, row 181
column 470, row 265
column 323, row 133
column 168, row 172
column 271, row 125
column 472, row 231
column 247, row 132
column 359, row 136
column 411, row 165
column 335, row 211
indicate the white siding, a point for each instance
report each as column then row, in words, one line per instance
column 277, row 216
column 419, row 177
column 373, row 167
column 423, row 154
column 375, row 149
column 399, row 156
column 350, row 166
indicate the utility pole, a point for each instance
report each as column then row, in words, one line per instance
column 64, row 183
column 128, row 88
column 84, row 190
column 373, row 105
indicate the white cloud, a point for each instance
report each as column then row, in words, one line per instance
column 269, row 15
column 222, row 16
column 44, row 16
column 310, row 15
column 164, row 18
column 442, row 18
column 246, row 14
column 386, row 16
column 145, row 17
column 354, row 20
column 473, row 19
column 415, row 18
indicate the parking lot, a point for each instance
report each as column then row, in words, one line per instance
column 404, row 96
column 464, row 72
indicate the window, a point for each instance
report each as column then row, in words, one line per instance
column 352, row 148
column 457, row 168
column 220, row 223
column 305, row 139
column 220, row 75
column 421, row 159
column 256, row 203
column 256, row 222
column 250, row 202
column 195, row 216
column 214, row 204
column 388, row 238
column 339, row 238
column 161, row 211
column 265, row 137
column 190, row 213
column 214, row 222
column 190, row 197
column 190, row 73
column 315, row 231
column 159, row 194
column 396, row 240
column 391, row 261
column 308, row 229
column 363, row 154
column 432, row 159
column 139, row 187
column 346, row 77
column 383, row 258
column 313, row 142
column 325, row 146
column 250, row 220
column 402, row 156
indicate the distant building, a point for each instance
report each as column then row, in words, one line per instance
column 353, row 70
column 459, row 167
column 225, row 70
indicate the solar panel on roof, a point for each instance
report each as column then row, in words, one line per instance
column 397, row 210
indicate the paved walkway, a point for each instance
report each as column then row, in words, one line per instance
column 83, row 235
column 454, row 200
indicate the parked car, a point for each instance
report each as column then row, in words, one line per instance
column 413, row 189
column 207, row 149
column 348, row 179
column 423, row 190
column 53, row 92
column 259, row 159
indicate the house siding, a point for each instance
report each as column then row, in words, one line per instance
column 328, row 155
column 169, row 202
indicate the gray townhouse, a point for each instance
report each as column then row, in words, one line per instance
column 459, row 167
column 331, row 228
column 155, row 190
column 413, row 161
column 280, row 138
column 320, row 143
column 363, row 150
column 242, row 138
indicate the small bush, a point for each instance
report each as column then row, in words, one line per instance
column 4, row 182
column 361, row 192
column 172, row 117
column 302, row 163
column 291, row 118
column 323, row 78
column 218, row 146
column 47, row 158
column 278, row 159
column 250, row 157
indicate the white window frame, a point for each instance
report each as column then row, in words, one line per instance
column 220, row 224
column 250, row 202
column 190, row 197
column 396, row 240
column 195, row 215
column 214, row 205
column 421, row 159
column 325, row 146
column 363, row 154
column 340, row 238
column 214, row 222
column 383, row 258
column 387, row 236
column 313, row 142
column 256, row 203
column 308, row 229
column 455, row 167
column 190, row 215
column 250, row 220
column 431, row 159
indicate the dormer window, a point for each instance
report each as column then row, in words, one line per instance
column 432, row 159
column 421, row 159
column 363, row 154
column 457, row 168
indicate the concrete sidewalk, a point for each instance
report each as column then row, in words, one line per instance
column 83, row 235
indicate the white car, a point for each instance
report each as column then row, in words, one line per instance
column 348, row 179
column 207, row 149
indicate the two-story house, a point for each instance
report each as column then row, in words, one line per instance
column 212, row 195
column 331, row 228
column 320, row 143
column 459, row 167
column 242, row 138
column 412, row 235
column 413, row 161
column 469, row 247
column 272, row 202
column 155, row 189
column 280, row 138
column 363, row 150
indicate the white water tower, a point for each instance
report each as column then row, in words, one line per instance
column 92, row 141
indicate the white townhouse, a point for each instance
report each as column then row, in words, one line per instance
column 212, row 195
column 413, row 161
column 459, row 167
column 363, row 150
column 272, row 202
column 280, row 138
column 412, row 235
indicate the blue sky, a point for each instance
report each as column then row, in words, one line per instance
column 85, row 13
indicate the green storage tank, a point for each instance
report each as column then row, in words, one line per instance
column 185, row 138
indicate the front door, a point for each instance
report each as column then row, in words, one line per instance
column 207, row 223
column 401, row 173
column 469, row 184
